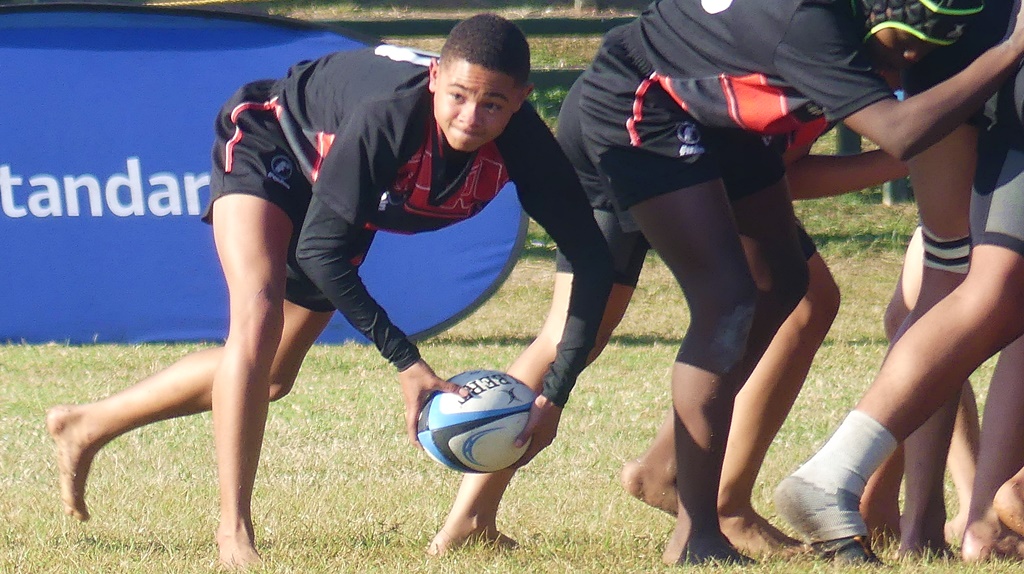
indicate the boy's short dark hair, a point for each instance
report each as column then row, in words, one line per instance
column 490, row 41
column 939, row 22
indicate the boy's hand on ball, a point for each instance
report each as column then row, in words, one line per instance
column 419, row 382
column 542, row 426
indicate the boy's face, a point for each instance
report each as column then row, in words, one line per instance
column 472, row 105
column 893, row 50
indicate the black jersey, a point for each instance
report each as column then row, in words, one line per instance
column 361, row 125
column 771, row 67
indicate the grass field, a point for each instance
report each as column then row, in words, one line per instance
column 340, row 490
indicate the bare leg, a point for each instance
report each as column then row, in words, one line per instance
column 80, row 431
column 880, row 504
column 761, row 408
column 252, row 242
column 652, row 477
column 1000, row 458
column 702, row 398
column 963, row 330
column 1009, row 503
column 474, row 512
column 915, row 378
column 922, row 524
column 963, row 460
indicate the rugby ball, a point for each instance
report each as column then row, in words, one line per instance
column 475, row 433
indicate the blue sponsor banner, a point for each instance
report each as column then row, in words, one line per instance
column 105, row 137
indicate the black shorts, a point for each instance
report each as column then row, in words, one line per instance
column 251, row 156
column 629, row 248
column 667, row 149
column 997, row 203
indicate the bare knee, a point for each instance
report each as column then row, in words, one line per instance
column 820, row 306
column 895, row 313
column 279, row 390
column 717, row 338
column 257, row 321
column 285, row 369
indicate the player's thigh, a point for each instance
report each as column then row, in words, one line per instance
column 997, row 260
column 629, row 251
column 301, row 329
column 252, row 237
column 694, row 232
column 941, row 176
column 770, row 236
column 822, row 289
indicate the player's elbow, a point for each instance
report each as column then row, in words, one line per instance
column 904, row 150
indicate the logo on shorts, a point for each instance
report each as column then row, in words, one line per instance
column 689, row 134
column 281, row 169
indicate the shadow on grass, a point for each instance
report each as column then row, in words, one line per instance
column 140, row 545
column 857, row 342
column 853, row 242
column 535, row 250
column 515, row 340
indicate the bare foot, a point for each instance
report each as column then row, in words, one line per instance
column 954, row 528
column 75, row 451
column 451, row 538
column 701, row 550
column 923, row 540
column 237, row 550
column 984, row 539
column 656, row 490
column 1009, row 504
column 752, row 534
column 926, row 549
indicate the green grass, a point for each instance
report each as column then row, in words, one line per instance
column 339, row 490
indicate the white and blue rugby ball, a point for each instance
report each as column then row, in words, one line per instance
column 476, row 433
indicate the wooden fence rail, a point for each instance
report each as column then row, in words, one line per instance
column 441, row 26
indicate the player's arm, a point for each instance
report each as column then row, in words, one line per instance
column 817, row 176
column 324, row 253
column 551, row 194
column 905, row 128
column 326, row 246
